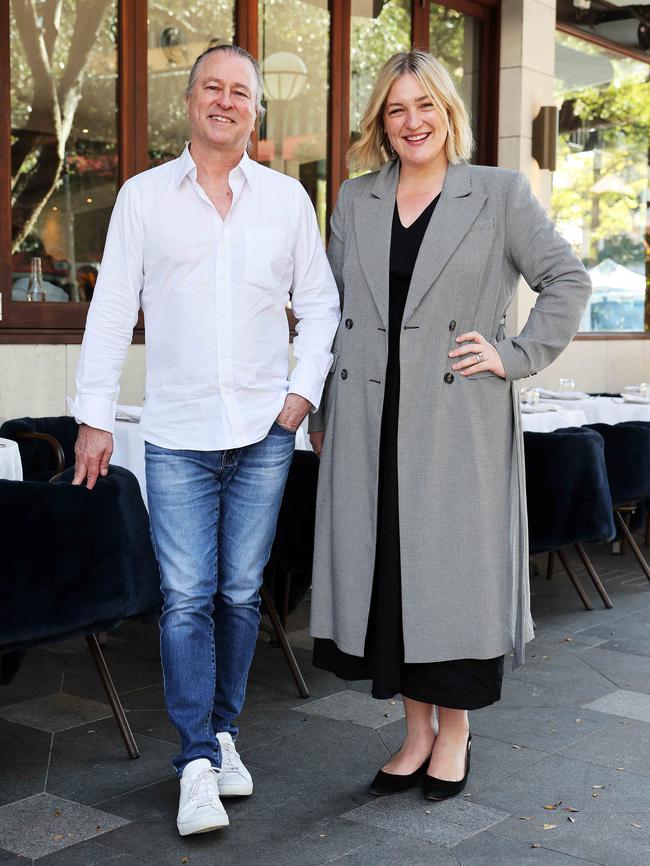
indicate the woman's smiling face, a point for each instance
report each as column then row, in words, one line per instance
column 415, row 128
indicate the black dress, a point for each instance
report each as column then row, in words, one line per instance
column 461, row 683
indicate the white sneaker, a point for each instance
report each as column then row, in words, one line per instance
column 200, row 809
column 234, row 779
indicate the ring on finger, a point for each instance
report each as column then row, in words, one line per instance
column 479, row 358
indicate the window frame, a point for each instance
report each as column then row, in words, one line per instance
column 64, row 323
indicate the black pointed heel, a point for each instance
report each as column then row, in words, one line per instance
column 385, row 784
column 442, row 789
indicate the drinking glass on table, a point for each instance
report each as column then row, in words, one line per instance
column 566, row 385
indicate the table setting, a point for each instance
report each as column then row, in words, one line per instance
column 10, row 466
column 632, row 404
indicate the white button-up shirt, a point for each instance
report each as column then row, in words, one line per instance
column 213, row 292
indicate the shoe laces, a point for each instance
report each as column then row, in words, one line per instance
column 203, row 788
column 230, row 759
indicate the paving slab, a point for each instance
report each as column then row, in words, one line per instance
column 42, row 824
column 24, row 754
column 88, row 854
column 356, row 707
column 489, row 849
column 90, row 763
column 563, row 783
column 624, row 745
column 41, row 673
column 622, row 839
column 546, row 729
column 127, row 671
column 632, row 705
column 629, row 634
column 444, row 824
column 625, row 670
column 8, row 858
column 54, row 713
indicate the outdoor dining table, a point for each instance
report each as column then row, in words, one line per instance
column 10, row 465
column 606, row 410
column 542, row 419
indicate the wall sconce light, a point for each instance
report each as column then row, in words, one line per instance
column 545, row 136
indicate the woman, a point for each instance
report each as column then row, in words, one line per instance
column 420, row 567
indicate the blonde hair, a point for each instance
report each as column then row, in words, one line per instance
column 373, row 148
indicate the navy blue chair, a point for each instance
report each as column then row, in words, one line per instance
column 644, row 425
column 568, row 497
column 46, row 445
column 75, row 562
column 627, row 457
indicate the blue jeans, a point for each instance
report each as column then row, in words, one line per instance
column 213, row 517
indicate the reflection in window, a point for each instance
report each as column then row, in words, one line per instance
column 63, row 141
column 294, row 51
column 455, row 40
column 178, row 33
column 378, row 30
column 599, row 188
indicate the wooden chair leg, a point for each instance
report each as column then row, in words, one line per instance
column 284, row 643
column 636, row 550
column 584, row 598
column 549, row 564
column 113, row 697
column 591, row 571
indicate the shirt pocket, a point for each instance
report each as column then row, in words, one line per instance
column 267, row 257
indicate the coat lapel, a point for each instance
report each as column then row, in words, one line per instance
column 373, row 215
column 455, row 212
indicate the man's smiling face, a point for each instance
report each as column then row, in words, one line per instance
column 221, row 105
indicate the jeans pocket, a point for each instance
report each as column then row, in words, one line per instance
column 284, row 430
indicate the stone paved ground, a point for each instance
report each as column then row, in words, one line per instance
column 572, row 732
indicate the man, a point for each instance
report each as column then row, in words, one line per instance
column 211, row 246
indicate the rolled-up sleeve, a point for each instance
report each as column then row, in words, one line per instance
column 550, row 267
column 112, row 314
column 315, row 302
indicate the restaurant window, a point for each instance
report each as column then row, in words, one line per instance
column 455, row 40
column 377, row 30
column 177, row 33
column 64, row 168
column 294, row 54
column 599, row 199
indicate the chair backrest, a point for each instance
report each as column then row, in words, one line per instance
column 627, row 457
column 567, row 488
column 74, row 561
column 37, row 457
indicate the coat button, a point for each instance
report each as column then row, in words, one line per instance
column 348, row 323
column 449, row 377
column 344, row 374
column 452, row 325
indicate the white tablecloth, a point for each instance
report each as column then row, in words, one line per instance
column 607, row 410
column 545, row 422
column 10, row 465
column 128, row 451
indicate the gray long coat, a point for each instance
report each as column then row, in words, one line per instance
column 462, row 508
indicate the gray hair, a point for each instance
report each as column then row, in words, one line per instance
column 237, row 52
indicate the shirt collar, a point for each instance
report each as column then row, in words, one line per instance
column 185, row 165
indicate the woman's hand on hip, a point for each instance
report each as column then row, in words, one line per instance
column 476, row 356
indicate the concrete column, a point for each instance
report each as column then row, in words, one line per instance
column 526, row 83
